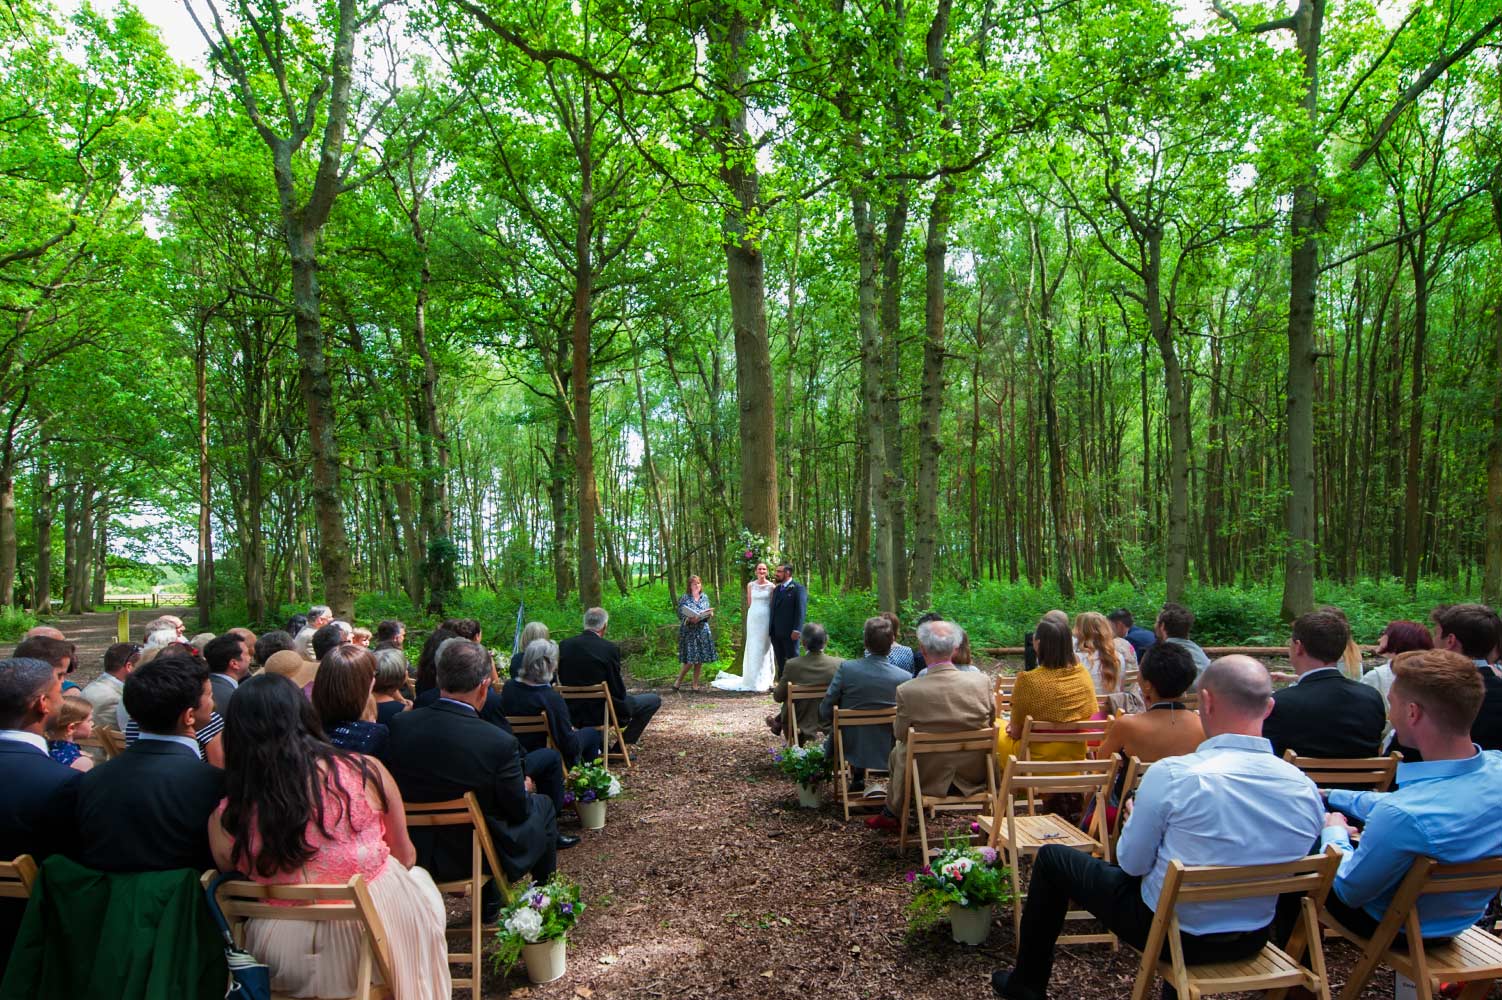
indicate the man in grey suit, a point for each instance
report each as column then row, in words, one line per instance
column 870, row 682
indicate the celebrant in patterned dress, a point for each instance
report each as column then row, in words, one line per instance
column 695, row 640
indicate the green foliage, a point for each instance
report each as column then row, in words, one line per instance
column 539, row 913
column 590, row 782
column 807, row 765
column 959, row 875
column 15, row 623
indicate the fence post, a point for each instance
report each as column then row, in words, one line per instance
column 122, row 626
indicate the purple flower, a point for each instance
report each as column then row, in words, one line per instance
column 927, row 870
column 566, row 908
column 568, row 798
column 537, row 900
column 588, row 796
column 911, row 876
column 975, row 828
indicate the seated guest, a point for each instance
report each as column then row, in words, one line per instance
column 1139, row 638
column 167, row 623
column 1447, row 806
column 73, row 721
column 360, row 637
column 590, row 658
column 148, row 809
column 1196, row 809
column 331, row 636
column 1324, row 713
column 296, row 624
column 1174, row 623
column 228, row 658
column 1472, row 631
column 427, row 662
column 927, row 616
column 1107, row 658
column 943, row 700
column 530, row 692
column 318, row 616
column 303, row 643
column 815, row 668
column 103, row 692
column 963, row 658
column 207, row 727
column 1059, row 689
column 390, row 634
column 292, row 665
column 270, row 644
column 343, row 703
column 1397, row 637
column 899, row 655
column 390, row 679
column 298, row 810
column 36, row 796
column 867, row 683
column 440, row 752
column 531, row 632
column 46, row 631
column 1168, row 728
column 62, row 654
column 464, row 628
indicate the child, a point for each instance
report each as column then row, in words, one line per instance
column 74, row 720
column 362, row 637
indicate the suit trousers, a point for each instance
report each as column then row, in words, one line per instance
column 1115, row 898
column 545, row 768
column 639, row 711
column 784, row 648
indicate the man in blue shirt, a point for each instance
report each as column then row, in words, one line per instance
column 1447, row 807
column 1140, row 639
column 1197, row 809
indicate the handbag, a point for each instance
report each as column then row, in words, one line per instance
column 250, row 978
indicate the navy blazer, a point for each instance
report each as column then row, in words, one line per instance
column 789, row 608
column 440, row 752
column 148, row 810
column 37, row 796
column 528, row 699
column 587, row 659
column 1327, row 715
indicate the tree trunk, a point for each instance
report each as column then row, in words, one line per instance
column 931, row 406
column 891, row 375
column 584, row 448
column 871, row 396
column 42, row 508
column 1177, row 550
column 1413, row 515
column 205, row 596
column 558, row 504
column 650, row 468
column 83, row 551
column 101, row 554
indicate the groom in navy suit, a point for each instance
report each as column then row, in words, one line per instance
column 789, row 608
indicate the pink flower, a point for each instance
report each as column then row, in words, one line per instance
column 750, row 554
column 975, row 828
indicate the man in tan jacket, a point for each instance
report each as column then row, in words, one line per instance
column 943, row 700
column 813, row 667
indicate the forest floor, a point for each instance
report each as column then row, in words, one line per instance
column 709, row 881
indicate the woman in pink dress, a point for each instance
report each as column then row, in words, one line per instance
column 297, row 810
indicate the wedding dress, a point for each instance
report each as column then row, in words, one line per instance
column 757, row 666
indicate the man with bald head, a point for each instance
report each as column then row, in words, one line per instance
column 46, row 632
column 1196, row 809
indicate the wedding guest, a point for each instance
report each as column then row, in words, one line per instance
column 72, row 722
column 1397, row 637
column 298, row 810
column 200, row 640
column 943, row 700
column 148, row 808
column 1324, row 713
column 62, row 654
column 530, row 692
column 962, row 656
column 1106, row 657
column 695, row 640
column 1059, row 689
column 427, row 661
column 590, row 658
column 1350, row 657
column 319, row 615
column 927, row 616
column 229, row 659
column 1029, row 640
column 329, row 637
column 1174, row 624
column 342, row 700
column 37, row 795
column 360, row 637
column 1139, row 638
column 169, row 623
column 440, row 752
column 899, row 655
column 870, row 682
column 296, row 624
column 250, row 640
column 464, row 628
column 103, row 692
column 302, row 642
column 1471, row 630
column 815, row 668
column 391, row 634
column 1168, row 728
column 293, row 666
column 390, row 679
column 270, row 644
column 1446, row 806
column 45, row 631
column 1197, row 810
column 531, row 632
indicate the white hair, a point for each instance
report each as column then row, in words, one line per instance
column 345, row 629
column 159, row 638
column 939, row 640
column 539, row 661
column 596, row 619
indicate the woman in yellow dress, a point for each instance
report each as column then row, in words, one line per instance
column 1059, row 689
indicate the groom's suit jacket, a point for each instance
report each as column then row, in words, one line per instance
column 870, row 682
column 789, row 606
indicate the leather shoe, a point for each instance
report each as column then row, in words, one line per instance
column 1002, row 986
column 881, row 821
column 565, row 841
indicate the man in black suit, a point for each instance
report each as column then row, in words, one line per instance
column 228, row 657
column 444, row 750
column 148, row 809
column 1472, row 630
column 1324, row 713
column 589, row 658
column 789, row 609
column 37, row 793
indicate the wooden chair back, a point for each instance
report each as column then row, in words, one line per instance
column 532, row 725
column 1472, row 956
column 979, row 742
column 466, row 812
column 1273, row 968
column 1136, row 770
column 17, row 877
column 611, row 727
column 1374, row 773
column 1002, row 695
column 350, row 902
column 112, row 740
column 1089, row 733
column 845, row 718
column 1129, row 677
column 795, row 694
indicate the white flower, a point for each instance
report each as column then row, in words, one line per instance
column 526, row 924
column 614, row 789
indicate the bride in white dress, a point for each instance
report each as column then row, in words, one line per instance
column 757, row 665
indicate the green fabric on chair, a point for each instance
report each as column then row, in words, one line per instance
column 141, row 936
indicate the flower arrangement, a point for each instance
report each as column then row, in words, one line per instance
column 751, row 549
column 590, row 782
column 536, row 914
column 959, row 875
column 805, row 765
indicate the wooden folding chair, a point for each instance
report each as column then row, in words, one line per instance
column 349, row 902
column 17, row 877
column 1089, row 733
column 1002, row 695
column 845, row 718
column 1372, row 773
column 112, row 740
column 1473, row 956
column 1136, row 770
column 1019, row 836
column 981, row 742
column 466, row 812
column 795, row 694
column 610, row 727
column 532, row 725
column 1272, row 968
column 1129, row 677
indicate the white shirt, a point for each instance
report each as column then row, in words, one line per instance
column 186, row 741
column 22, row 736
column 1231, row 802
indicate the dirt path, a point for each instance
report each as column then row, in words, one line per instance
column 94, row 632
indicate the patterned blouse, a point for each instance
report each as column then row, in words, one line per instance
column 687, row 606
